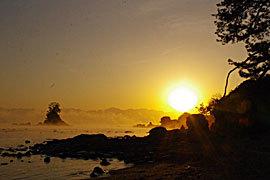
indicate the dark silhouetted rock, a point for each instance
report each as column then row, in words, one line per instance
column 19, row 155
column 98, row 170
column 246, row 108
column 47, row 159
column 197, row 122
column 93, row 175
column 6, row 154
column 28, row 153
column 4, row 164
column 10, row 149
column 27, row 141
column 182, row 127
column 157, row 132
column 104, row 162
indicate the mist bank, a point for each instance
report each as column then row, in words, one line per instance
column 77, row 117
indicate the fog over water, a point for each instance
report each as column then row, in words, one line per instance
column 112, row 117
column 33, row 167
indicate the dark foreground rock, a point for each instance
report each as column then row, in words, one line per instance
column 47, row 159
column 175, row 154
column 104, row 162
column 97, row 172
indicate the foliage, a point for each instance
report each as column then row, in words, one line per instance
column 52, row 116
column 54, row 107
column 246, row 21
column 207, row 109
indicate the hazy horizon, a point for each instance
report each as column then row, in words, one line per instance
column 79, row 117
column 101, row 54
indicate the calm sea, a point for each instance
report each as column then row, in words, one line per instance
column 34, row 167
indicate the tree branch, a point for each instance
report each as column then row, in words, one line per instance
column 227, row 80
column 228, row 75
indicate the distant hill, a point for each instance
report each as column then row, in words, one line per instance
column 112, row 116
column 94, row 118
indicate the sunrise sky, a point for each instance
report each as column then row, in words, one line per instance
column 120, row 53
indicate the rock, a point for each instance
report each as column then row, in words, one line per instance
column 19, row 155
column 28, row 153
column 98, row 170
column 6, row 154
column 197, row 122
column 27, row 141
column 10, row 149
column 93, row 175
column 4, row 164
column 157, row 132
column 11, row 160
column 47, row 159
column 104, row 162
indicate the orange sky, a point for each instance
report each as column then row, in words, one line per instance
column 99, row 54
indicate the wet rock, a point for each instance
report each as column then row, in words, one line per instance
column 10, row 149
column 104, row 162
column 11, row 160
column 93, row 175
column 4, row 164
column 6, row 154
column 47, row 159
column 98, row 170
column 27, row 141
column 19, row 155
column 28, row 153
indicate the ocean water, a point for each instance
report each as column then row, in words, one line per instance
column 33, row 167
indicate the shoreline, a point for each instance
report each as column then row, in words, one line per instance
column 170, row 154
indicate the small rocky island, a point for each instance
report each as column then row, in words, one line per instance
column 53, row 117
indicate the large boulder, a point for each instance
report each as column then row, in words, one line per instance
column 246, row 107
column 157, row 132
column 197, row 123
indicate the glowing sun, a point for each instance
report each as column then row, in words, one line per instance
column 182, row 99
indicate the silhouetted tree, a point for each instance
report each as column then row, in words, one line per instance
column 52, row 116
column 207, row 109
column 246, row 21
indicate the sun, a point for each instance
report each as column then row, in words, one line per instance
column 182, row 99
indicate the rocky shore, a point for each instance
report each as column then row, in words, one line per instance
column 163, row 154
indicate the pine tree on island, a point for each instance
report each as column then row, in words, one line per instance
column 52, row 116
